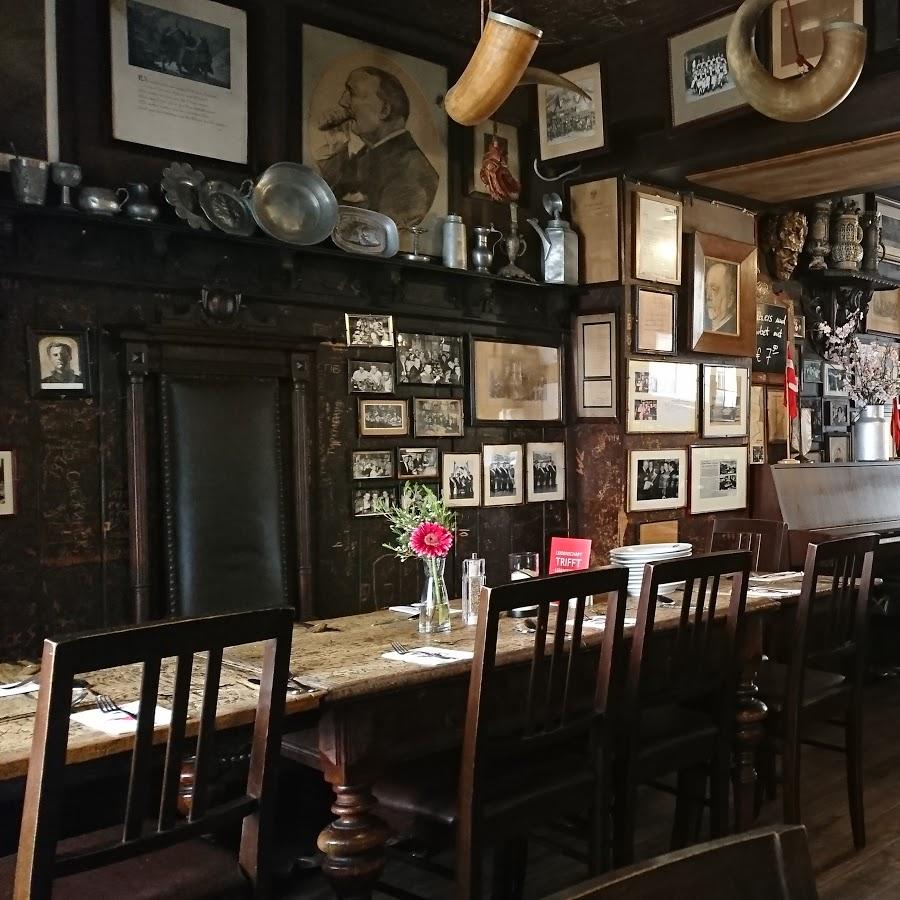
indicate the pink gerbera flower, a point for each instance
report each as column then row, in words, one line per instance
column 430, row 539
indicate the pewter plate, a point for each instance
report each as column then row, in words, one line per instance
column 227, row 208
column 292, row 203
column 365, row 231
column 181, row 184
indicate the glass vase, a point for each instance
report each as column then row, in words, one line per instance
column 434, row 613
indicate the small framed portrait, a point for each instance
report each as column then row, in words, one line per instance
column 545, row 470
column 59, row 362
column 7, row 482
column 657, row 479
column 383, row 418
column 365, row 499
column 371, row 464
column 661, row 397
column 811, row 374
column 366, row 330
column 833, row 381
column 838, row 447
column 837, row 415
column 889, row 210
column 417, row 462
column 438, row 418
column 718, row 479
column 429, row 359
column 758, row 443
column 596, row 368
column 799, row 327
column 367, row 377
column 723, row 309
column 810, row 18
column 484, row 135
column 461, row 479
column 515, row 382
column 725, row 399
column 653, row 322
column 569, row 122
column 501, row 466
column 657, row 238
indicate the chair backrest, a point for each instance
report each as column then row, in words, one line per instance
column 769, row 864
column 764, row 538
column 38, row 863
column 557, row 713
column 695, row 662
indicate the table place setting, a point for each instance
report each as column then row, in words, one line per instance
column 426, row 656
column 772, row 593
column 118, row 719
column 768, row 577
column 27, row 686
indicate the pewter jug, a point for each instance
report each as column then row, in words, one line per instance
column 873, row 248
column 102, row 201
column 846, row 250
column 139, row 206
column 559, row 263
column 482, row 255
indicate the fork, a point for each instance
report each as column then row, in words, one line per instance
column 106, row 704
column 402, row 649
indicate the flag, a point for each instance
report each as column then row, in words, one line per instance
column 790, row 385
column 895, row 425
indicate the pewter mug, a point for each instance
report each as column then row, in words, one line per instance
column 29, row 180
column 139, row 206
column 102, row 201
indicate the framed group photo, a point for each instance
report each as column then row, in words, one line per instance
column 366, row 330
column 429, row 359
column 461, row 479
column 372, row 464
column 661, row 397
column 417, row 462
column 366, row 498
column 366, row 376
column 59, row 363
column 657, row 479
column 569, row 122
column 545, row 470
column 502, row 471
column 438, row 418
column 383, row 418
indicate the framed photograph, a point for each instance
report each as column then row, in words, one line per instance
column 657, row 479
column 364, row 500
column 725, row 397
column 657, row 238
column 700, row 82
column 776, row 416
column 59, row 363
column 395, row 113
column 515, row 382
column 810, row 17
column 370, row 464
column 406, row 500
column 429, row 359
column 653, row 323
column 383, row 418
column 799, row 327
column 758, row 444
column 545, row 468
column 174, row 56
column 438, row 418
column 837, row 446
column 811, row 374
column 365, row 330
column 833, row 381
column 461, row 479
column 723, row 309
column 7, row 482
column 417, row 462
column 483, row 136
column 718, row 479
column 889, row 210
column 502, row 472
column 567, row 122
column 596, row 371
column 883, row 316
column 810, row 410
column 367, row 377
column 837, row 415
column 661, row 397
column 594, row 211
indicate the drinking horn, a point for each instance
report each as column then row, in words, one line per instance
column 796, row 99
column 498, row 66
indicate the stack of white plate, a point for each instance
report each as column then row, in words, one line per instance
column 636, row 556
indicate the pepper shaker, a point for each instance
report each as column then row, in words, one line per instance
column 472, row 583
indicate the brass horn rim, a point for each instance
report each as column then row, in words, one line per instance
column 843, row 26
column 516, row 23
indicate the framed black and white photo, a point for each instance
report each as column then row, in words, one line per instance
column 483, row 137
column 806, row 18
column 657, row 238
column 438, row 418
column 718, row 479
column 799, row 327
column 568, row 122
column 838, row 447
column 406, row 499
column 725, row 401
column 596, row 372
column 515, row 382
column 833, row 381
column 889, row 210
column 661, row 397
column 657, row 479
column 417, row 462
column 545, row 470
column 364, row 376
column 366, row 330
column 461, row 479
column 502, row 470
column 179, row 76
column 364, row 500
column 811, row 374
column 883, row 315
column 810, row 424
column 59, row 363
column 429, row 359
column 653, row 323
column 758, row 445
column 837, row 415
column 371, row 464
column 699, row 78
column 7, row 482
column 383, row 418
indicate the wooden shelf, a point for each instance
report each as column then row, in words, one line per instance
column 873, row 281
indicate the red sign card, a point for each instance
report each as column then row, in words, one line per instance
column 569, row 555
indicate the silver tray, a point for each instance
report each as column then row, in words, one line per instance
column 181, row 185
column 292, row 203
column 365, row 231
column 228, row 207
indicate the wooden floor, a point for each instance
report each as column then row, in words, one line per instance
column 841, row 873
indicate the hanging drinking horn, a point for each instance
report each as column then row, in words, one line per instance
column 498, row 66
column 797, row 99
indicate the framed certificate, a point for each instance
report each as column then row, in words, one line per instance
column 653, row 322
column 657, row 238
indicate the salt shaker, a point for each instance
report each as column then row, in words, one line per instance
column 472, row 583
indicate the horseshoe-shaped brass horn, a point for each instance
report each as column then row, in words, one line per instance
column 797, row 99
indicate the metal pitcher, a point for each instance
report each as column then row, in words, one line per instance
column 559, row 262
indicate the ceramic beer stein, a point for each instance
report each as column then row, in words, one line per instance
column 846, row 250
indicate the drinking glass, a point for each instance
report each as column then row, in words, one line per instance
column 522, row 566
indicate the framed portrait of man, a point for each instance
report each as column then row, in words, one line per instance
column 374, row 128
column 59, row 363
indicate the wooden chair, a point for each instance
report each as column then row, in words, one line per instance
column 527, row 759
column 678, row 706
column 768, row 864
column 765, row 539
column 823, row 678
column 159, row 858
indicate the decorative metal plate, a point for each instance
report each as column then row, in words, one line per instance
column 181, row 185
column 227, row 207
column 365, row 231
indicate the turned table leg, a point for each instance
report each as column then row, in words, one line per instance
column 353, row 843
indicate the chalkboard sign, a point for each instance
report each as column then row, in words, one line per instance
column 771, row 338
